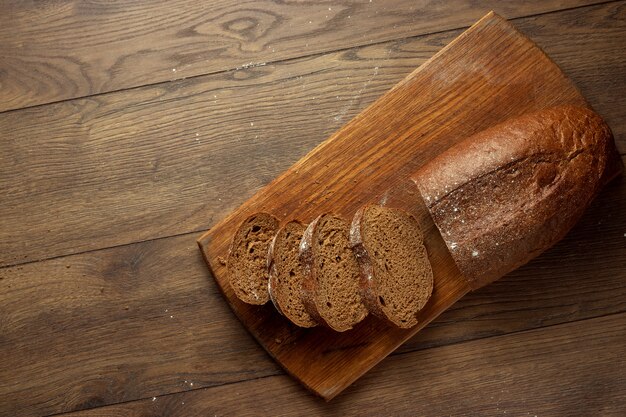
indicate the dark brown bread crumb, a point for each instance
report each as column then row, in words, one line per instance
column 331, row 291
column 397, row 278
column 286, row 275
column 247, row 258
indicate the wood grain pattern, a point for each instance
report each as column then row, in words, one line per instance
column 488, row 74
column 92, row 203
column 128, row 166
column 57, row 50
column 95, row 329
column 566, row 370
column 115, row 326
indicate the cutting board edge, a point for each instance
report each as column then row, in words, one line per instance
column 327, row 394
column 205, row 239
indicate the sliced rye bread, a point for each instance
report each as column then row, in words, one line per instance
column 397, row 278
column 286, row 274
column 331, row 291
column 247, row 258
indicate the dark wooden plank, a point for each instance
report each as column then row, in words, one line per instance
column 128, row 166
column 92, row 329
column 488, row 74
column 572, row 369
column 53, row 51
column 117, row 325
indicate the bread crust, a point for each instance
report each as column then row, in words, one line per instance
column 271, row 268
column 506, row 194
column 367, row 283
column 309, row 283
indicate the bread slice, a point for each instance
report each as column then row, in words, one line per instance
column 247, row 258
column 331, row 291
column 397, row 278
column 286, row 274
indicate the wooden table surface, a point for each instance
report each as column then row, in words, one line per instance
column 127, row 129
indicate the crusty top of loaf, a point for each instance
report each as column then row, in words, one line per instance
column 504, row 195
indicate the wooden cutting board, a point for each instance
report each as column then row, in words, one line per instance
column 488, row 74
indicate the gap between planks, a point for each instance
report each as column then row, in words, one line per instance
column 295, row 57
column 395, row 354
column 121, row 245
column 200, row 229
column 477, row 320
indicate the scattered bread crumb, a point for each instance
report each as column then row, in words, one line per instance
column 221, row 260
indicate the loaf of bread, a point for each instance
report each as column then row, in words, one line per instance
column 287, row 274
column 331, row 292
column 396, row 276
column 506, row 194
column 499, row 198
